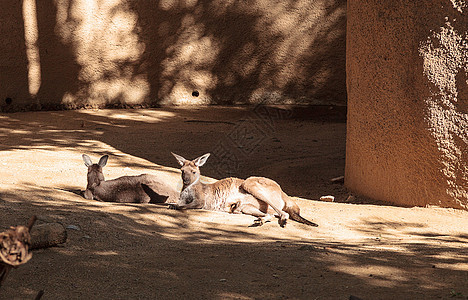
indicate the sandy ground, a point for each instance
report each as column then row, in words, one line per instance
column 129, row 251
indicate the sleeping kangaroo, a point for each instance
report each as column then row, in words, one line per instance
column 143, row 188
column 257, row 196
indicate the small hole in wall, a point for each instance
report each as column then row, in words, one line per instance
column 195, row 93
column 8, row 100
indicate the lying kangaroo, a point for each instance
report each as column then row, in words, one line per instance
column 143, row 188
column 257, row 196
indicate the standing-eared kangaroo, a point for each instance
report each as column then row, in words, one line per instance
column 257, row 196
column 143, row 188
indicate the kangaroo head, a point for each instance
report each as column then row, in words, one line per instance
column 191, row 168
column 95, row 175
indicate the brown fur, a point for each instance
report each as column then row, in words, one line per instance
column 143, row 188
column 257, row 196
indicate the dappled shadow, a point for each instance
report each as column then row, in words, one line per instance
column 139, row 251
column 60, row 69
column 383, row 229
column 83, row 132
column 287, row 52
column 153, row 134
column 138, row 53
column 13, row 73
column 56, row 70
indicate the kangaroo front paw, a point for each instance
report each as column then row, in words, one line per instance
column 282, row 222
column 88, row 195
column 173, row 206
column 257, row 222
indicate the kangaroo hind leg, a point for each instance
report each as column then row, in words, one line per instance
column 250, row 209
column 269, row 192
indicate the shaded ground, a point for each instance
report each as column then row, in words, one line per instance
column 150, row 252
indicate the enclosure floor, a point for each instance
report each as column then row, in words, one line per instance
column 128, row 251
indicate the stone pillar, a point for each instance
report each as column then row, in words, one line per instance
column 407, row 82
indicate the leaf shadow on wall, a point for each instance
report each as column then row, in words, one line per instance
column 257, row 51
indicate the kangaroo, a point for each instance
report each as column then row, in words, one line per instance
column 143, row 188
column 257, row 196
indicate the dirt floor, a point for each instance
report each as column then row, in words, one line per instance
column 129, row 251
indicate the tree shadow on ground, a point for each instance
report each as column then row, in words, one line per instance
column 145, row 251
column 236, row 137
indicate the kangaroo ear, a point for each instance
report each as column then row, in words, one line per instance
column 179, row 158
column 87, row 160
column 200, row 161
column 103, row 160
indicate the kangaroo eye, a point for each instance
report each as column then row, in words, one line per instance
column 193, row 172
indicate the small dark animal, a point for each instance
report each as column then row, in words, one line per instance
column 143, row 188
column 257, row 196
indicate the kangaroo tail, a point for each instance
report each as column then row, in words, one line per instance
column 296, row 217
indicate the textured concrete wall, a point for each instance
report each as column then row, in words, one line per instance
column 407, row 65
column 72, row 53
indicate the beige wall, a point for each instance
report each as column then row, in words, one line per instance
column 74, row 53
column 407, row 72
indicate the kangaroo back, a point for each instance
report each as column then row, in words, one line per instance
column 127, row 189
column 255, row 196
column 130, row 189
